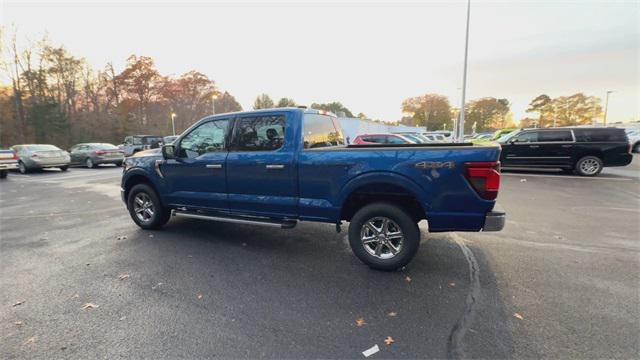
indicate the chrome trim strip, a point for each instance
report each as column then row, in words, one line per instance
column 214, row 166
column 275, row 166
column 156, row 166
column 538, row 157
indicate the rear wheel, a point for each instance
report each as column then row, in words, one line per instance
column 22, row 168
column 64, row 168
column 145, row 207
column 384, row 236
column 89, row 163
column 3, row 174
column 589, row 166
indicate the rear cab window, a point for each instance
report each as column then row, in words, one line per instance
column 321, row 131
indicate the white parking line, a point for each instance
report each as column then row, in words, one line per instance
column 567, row 177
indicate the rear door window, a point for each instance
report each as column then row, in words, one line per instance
column 555, row 136
column 321, row 131
column 260, row 133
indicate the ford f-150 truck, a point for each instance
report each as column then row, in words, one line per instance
column 279, row 166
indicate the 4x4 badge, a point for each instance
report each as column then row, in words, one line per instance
column 436, row 165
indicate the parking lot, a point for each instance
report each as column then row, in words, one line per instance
column 80, row 279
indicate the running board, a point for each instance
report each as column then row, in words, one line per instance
column 286, row 224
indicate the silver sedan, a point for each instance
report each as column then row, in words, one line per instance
column 40, row 156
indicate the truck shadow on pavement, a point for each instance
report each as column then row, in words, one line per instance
column 298, row 293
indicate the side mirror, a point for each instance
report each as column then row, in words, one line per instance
column 511, row 141
column 168, row 151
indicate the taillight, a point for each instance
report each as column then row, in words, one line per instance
column 15, row 156
column 100, row 152
column 484, row 177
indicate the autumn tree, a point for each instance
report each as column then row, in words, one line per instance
column 142, row 81
column 263, row 101
column 334, row 107
column 286, row 102
column 227, row 103
column 542, row 105
column 487, row 114
column 432, row 111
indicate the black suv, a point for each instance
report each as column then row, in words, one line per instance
column 585, row 150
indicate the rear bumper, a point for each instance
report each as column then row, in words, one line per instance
column 494, row 221
column 9, row 166
column 618, row 160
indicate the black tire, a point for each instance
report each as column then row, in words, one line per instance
column 636, row 148
column 377, row 212
column 589, row 166
column 3, row 174
column 89, row 163
column 118, row 164
column 160, row 214
column 22, row 168
column 64, row 168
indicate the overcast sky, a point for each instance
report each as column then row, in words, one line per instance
column 367, row 55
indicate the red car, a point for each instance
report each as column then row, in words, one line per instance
column 381, row 139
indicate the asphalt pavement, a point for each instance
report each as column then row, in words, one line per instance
column 79, row 279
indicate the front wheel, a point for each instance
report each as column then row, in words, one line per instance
column 384, row 236
column 145, row 208
column 589, row 166
column 3, row 174
column 89, row 163
column 64, row 168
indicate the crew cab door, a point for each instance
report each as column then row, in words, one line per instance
column 260, row 167
column 556, row 147
column 196, row 179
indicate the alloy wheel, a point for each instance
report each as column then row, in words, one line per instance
column 381, row 237
column 589, row 166
column 143, row 207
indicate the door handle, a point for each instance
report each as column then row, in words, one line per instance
column 534, row 146
column 214, row 166
column 275, row 166
column 567, row 146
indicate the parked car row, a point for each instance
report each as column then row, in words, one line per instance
column 31, row 157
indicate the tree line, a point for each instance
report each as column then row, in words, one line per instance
column 488, row 114
column 56, row 97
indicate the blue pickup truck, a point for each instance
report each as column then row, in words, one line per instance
column 279, row 166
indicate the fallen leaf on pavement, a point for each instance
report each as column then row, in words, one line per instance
column 122, row 237
column 18, row 323
column 123, row 276
column 150, row 235
column 360, row 322
column 75, row 296
column 122, row 318
column 392, row 314
column 389, row 340
column 19, row 302
column 90, row 306
column 374, row 349
column 407, row 279
column 452, row 284
column 518, row 316
column 30, row 340
column 156, row 286
column 523, row 180
column 200, row 296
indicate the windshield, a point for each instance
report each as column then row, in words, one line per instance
column 42, row 148
column 504, row 138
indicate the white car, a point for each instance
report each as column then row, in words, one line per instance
column 634, row 139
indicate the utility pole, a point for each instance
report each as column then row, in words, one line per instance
column 460, row 129
column 213, row 103
column 606, row 107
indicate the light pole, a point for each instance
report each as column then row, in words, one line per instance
column 460, row 128
column 173, row 122
column 213, row 103
column 606, row 107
